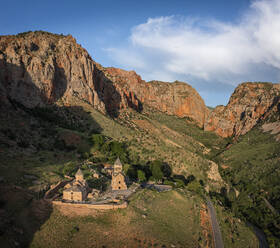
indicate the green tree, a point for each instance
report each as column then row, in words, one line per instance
column 195, row 186
column 133, row 157
column 141, row 176
column 98, row 140
column 118, row 149
column 156, row 169
column 166, row 169
column 130, row 171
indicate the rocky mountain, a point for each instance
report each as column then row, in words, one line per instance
column 79, row 97
column 249, row 104
column 38, row 68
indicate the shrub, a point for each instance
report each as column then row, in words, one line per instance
column 83, row 148
column 141, row 176
column 156, row 169
column 195, row 187
column 99, row 183
column 190, row 178
column 179, row 183
column 98, row 140
column 69, row 169
column 166, row 169
column 131, row 172
column 85, row 155
column 167, row 182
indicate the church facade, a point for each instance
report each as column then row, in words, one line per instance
column 76, row 190
column 118, row 178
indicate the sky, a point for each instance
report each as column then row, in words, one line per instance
column 212, row 45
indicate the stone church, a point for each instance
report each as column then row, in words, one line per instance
column 77, row 189
column 118, row 178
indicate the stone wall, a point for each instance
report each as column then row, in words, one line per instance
column 75, row 196
column 91, row 206
column 53, row 190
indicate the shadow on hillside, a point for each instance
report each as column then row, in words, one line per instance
column 21, row 216
column 110, row 96
column 26, row 110
column 19, row 85
column 18, row 92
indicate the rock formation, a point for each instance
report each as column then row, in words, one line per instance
column 175, row 98
column 249, row 104
column 38, row 68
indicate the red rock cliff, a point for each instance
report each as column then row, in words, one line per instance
column 250, row 103
column 176, row 98
column 38, row 68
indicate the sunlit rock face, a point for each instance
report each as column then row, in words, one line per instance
column 175, row 98
column 249, row 104
column 38, row 68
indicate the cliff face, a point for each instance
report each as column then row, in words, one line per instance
column 175, row 98
column 39, row 68
column 250, row 103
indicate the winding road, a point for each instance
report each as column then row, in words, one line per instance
column 260, row 235
column 218, row 240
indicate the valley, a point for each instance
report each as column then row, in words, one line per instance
column 60, row 111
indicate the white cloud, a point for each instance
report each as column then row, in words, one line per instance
column 176, row 47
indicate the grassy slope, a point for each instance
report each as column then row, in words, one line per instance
column 234, row 232
column 151, row 220
column 156, row 136
column 169, row 218
column 252, row 167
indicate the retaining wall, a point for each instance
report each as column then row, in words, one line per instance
column 52, row 191
column 91, row 206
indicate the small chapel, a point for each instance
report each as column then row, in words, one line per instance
column 118, row 178
column 77, row 189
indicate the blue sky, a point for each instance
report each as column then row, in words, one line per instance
column 213, row 45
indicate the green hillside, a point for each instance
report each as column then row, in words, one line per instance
column 251, row 168
column 41, row 146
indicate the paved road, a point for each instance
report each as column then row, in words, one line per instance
column 260, row 235
column 218, row 240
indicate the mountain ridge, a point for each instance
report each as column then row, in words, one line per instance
column 61, row 69
column 249, row 104
column 54, row 99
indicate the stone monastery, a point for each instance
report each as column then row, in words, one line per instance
column 78, row 189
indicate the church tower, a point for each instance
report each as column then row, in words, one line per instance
column 118, row 178
column 117, row 166
column 79, row 175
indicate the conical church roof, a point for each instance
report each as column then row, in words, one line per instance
column 79, row 173
column 118, row 162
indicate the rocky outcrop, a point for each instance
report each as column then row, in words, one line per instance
column 272, row 128
column 39, row 68
column 175, row 98
column 249, row 104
